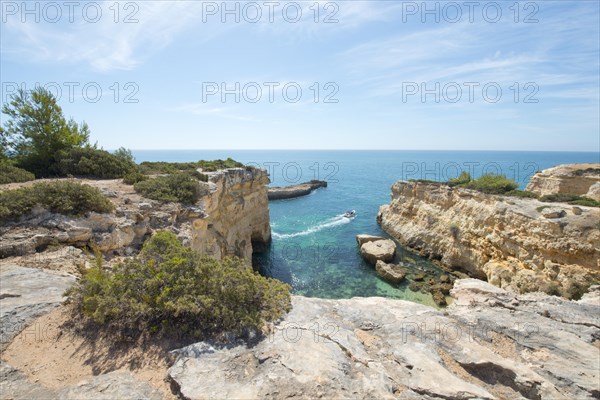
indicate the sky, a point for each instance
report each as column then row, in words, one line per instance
column 440, row 75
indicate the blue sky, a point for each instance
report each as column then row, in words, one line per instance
column 376, row 58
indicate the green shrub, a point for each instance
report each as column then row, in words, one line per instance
column 492, row 184
column 218, row 164
column 462, row 179
column 62, row 197
column 180, row 187
column 587, row 171
column 10, row 174
column 133, row 178
column 161, row 167
column 570, row 198
column 91, row 162
column 521, row 193
column 170, row 290
column 541, row 208
column 576, row 290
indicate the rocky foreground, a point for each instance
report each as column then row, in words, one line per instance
column 489, row 344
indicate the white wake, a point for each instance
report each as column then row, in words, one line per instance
column 330, row 223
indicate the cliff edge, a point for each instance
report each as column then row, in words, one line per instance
column 521, row 244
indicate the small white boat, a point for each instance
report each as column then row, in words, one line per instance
column 350, row 214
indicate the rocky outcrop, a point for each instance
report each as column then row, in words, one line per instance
column 508, row 241
column 392, row 273
column 378, row 250
column 489, row 344
column 230, row 217
column 290, row 192
column 236, row 214
column 579, row 179
column 26, row 294
column 362, row 239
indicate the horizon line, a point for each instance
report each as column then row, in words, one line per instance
column 449, row 150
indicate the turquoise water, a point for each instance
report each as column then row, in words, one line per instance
column 313, row 247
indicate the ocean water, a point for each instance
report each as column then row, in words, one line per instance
column 314, row 247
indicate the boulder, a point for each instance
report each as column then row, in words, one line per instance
column 383, row 250
column 362, row 239
column 553, row 212
column 392, row 273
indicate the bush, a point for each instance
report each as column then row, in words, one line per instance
column 218, row 164
column 161, row 167
column 522, row 193
column 91, row 162
column 570, row 199
column 62, row 197
column 492, row 184
column 133, row 178
column 463, row 178
column 180, row 187
column 170, row 290
column 10, row 174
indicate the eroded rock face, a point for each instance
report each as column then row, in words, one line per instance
column 237, row 214
column 490, row 344
column 506, row 240
column 580, row 179
column 378, row 250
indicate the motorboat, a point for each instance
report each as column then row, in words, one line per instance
column 350, row 214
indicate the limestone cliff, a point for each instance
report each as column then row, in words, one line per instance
column 580, row 179
column 519, row 244
column 231, row 215
column 237, row 214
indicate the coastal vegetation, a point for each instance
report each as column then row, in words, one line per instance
column 170, row 290
column 9, row 173
column 499, row 184
column 62, row 197
column 37, row 141
column 178, row 187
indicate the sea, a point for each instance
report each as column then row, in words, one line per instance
column 314, row 247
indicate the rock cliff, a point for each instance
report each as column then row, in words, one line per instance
column 514, row 243
column 231, row 216
column 580, row 179
column 236, row 214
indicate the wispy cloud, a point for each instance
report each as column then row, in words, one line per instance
column 204, row 109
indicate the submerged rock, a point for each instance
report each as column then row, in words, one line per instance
column 392, row 273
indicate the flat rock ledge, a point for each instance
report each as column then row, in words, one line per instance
column 293, row 191
column 489, row 344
